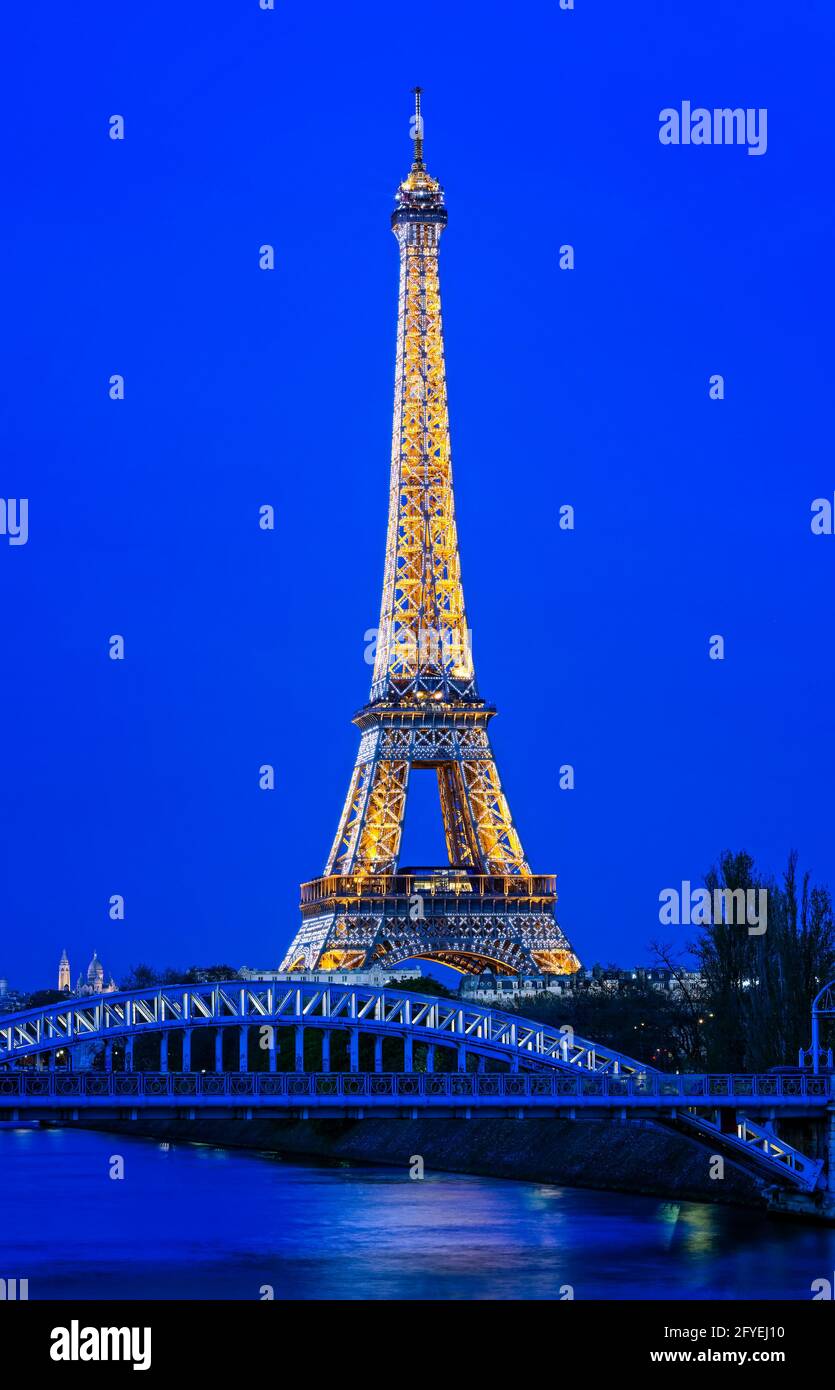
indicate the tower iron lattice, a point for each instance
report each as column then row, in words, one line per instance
column 484, row 908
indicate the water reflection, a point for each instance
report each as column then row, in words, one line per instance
column 201, row 1222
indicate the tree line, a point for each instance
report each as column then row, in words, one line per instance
column 751, row 1009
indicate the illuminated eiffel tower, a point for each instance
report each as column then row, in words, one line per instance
column 485, row 907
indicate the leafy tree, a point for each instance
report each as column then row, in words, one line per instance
column 44, row 996
column 140, row 977
column 425, row 984
column 209, row 974
column 632, row 1017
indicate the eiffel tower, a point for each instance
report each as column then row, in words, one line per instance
column 484, row 908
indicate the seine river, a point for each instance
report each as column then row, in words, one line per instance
column 196, row 1222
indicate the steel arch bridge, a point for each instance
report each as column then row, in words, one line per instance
column 547, row 1071
column 469, row 1029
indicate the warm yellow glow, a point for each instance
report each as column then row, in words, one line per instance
column 340, row 960
column 556, row 962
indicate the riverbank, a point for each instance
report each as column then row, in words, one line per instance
column 631, row 1156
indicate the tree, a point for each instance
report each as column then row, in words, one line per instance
column 648, row 1024
column 759, row 986
column 207, row 974
column 140, row 977
column 45, row 996
column 425, row 984
column 692, row 1011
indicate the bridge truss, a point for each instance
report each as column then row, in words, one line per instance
column 503, row 1064
column 471, row 1029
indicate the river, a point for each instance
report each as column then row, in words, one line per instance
column 196, row 1222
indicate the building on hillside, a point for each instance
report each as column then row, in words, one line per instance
column 11, row 1000
column 375, row 977
column 488, row 988
column 64, row 978
column 95, row 982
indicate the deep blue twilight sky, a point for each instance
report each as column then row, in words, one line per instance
column 243, row 387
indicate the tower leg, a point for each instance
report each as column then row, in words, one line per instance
column 218, row 1049
column 129, row 1054
column 243, row 1048
column 408, row 1064
column 354, row 1050
column 272, row 1047
column 187, row 1049
column 378, row 1052
column 326, row 1050
column 163, row 1052
column 299, row 1048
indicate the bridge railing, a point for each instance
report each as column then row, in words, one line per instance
column 457, row 1087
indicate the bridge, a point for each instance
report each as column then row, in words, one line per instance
column 470, row 1030
column 398, row 1054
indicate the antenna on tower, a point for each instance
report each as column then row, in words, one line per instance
column 418, row 130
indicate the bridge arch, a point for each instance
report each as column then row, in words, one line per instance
column 471, row 1029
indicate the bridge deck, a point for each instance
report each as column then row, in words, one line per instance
column 451, row 1091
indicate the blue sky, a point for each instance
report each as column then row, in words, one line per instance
column 246, row 387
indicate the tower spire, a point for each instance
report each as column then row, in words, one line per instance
column 417, row 162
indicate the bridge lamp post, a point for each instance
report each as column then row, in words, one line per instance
column 823, row 1006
